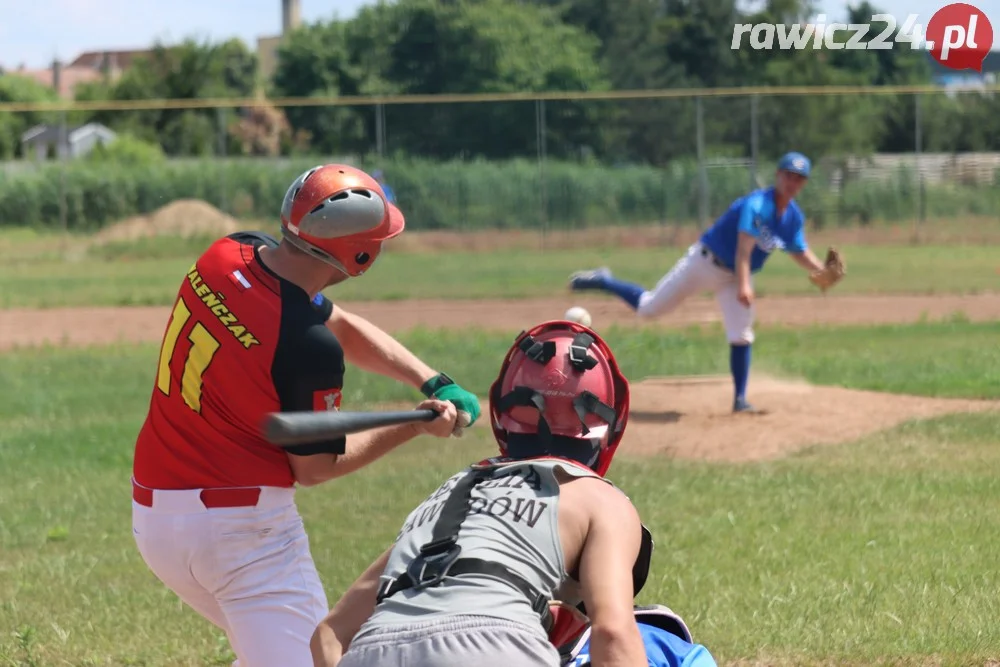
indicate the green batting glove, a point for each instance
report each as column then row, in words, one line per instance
column 444, row 388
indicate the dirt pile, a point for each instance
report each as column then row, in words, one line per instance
column 183, row 217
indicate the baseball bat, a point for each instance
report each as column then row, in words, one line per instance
column 297, row 428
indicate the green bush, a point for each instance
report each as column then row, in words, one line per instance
column 516, row 194
column 126, row 149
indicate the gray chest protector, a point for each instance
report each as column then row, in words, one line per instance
column 442, row 555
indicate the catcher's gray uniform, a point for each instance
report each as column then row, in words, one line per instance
column 475, row 618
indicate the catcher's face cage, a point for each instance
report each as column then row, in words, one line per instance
column 339, row 215
column 560, row 393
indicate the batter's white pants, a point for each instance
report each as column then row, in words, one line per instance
column 694, row 273
column 248, row 570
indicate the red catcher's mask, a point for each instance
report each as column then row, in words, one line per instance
column 560, row 393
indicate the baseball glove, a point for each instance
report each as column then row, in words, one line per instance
column 834, row 269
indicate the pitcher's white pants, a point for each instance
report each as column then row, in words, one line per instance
column 248, row 570
column 693, row 273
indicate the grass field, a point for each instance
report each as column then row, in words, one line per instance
column 879, row 551
column 34, row 273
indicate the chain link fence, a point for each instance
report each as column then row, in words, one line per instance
column 578, row 162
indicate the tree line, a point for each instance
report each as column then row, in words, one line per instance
column 431, row 47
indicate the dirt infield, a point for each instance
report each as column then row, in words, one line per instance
column 679, row 417
column 107, row 325
column 689, row 417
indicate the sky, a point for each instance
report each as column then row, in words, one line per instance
column 34, row 33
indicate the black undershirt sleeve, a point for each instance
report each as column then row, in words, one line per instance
column 308, row 370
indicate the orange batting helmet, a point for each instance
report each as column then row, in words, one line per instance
column 340, row 215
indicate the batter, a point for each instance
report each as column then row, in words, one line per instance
column 213, row 509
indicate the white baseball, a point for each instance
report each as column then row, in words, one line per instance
column 579, row 315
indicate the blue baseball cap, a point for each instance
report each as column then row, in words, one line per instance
column 797, row 163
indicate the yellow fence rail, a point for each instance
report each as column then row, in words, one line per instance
column 219, row 103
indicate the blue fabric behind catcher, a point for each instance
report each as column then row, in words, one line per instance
column 664, row 647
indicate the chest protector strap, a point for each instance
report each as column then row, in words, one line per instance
column 439, row 558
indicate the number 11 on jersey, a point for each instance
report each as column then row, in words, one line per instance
column 203, row 347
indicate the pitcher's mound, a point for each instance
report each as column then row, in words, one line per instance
column 690, row 417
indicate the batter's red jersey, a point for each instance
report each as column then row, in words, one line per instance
column 241, row 342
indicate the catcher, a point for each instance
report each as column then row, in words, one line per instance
column 474, row 567
column 724, row 260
